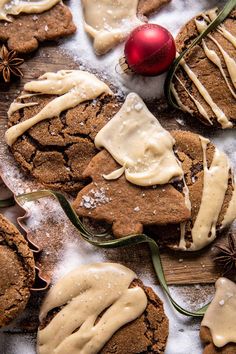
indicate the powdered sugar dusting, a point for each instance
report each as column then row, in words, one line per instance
column 75, row 254
column 172, row 16
column 17, row 343
column 225, row 141
column 183, row 331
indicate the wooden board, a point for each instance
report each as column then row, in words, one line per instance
column 180, row 267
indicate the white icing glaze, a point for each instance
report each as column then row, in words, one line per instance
column 85, row 293
column 178, row 100
column 200, row 107
column 73, row 88
column 221, row 28
column 229, row 61
column 109, row 22
column 137, row 141
column 182, row 242
column 220, row 115
column 186, row 195
column 212, row 56
column 15, row 106
column 15, row 7
column 215, row 184
column 220, row 316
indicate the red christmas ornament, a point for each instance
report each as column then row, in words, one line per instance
column 149, row 50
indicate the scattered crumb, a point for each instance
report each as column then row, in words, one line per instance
column 97, row 198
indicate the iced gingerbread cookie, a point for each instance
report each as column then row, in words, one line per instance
column 131, row 178
column 182, row 170
column 211, row 194
column 121, row 314
column 205, row 84
column 24, row 24
column 109, row 22
column 53, row 124
column 218, row 326
column 17, row 272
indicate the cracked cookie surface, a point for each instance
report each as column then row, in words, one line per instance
column 56, row 151
column 17, row 272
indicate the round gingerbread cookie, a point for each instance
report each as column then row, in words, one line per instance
column 121, row 314
column 17, row 272
column 210, row 194
column 204, row 83
column 57, row 149
column 147, row 334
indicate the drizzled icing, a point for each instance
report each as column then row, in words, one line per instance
column 15, row 106
column 84, row 294
column 212, row 55
column 14, row 7
column 212, row 14
column 72, row 87
column 215, row 184
column 220, row 316
column 220, row 115
column 197, row 103
column 137, row 141
column 214, row 58
column 109, row 22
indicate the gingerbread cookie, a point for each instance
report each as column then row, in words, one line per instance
column 218, row 326
column 17, row 272
column 109, row 23
column 212, row 195
column 24, row 25
column 127, row 317
column 204, row 84
column 57, row 149
column 133, row 188
column 125, row 206
column 147, row 8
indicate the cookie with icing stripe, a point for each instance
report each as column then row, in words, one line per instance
column 218, row 326
column 205, row 82
column 17, row 272
column 142, row 163
column 121, row 314
column 211, row 190
column 57, row 149
column 23, row 25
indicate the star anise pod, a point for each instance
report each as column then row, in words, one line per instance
column 226, row 256
column 9, row 64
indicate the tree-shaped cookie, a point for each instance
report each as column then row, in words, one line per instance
column 125, row 206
